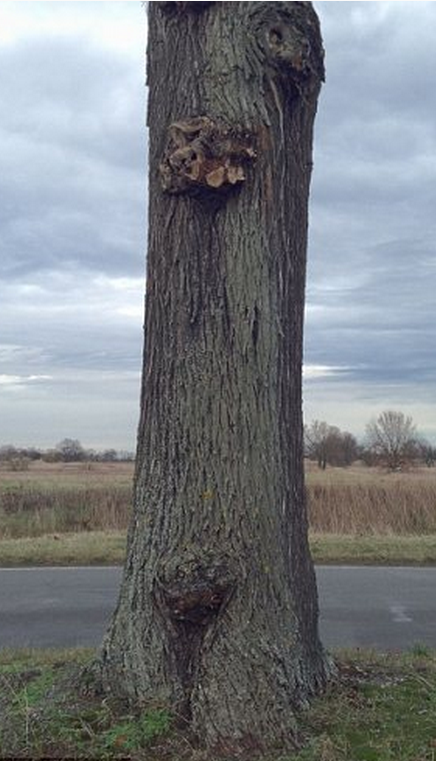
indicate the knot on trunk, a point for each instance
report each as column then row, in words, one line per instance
column 290, row 38
column 194, row 588
column 202, row 155
column 289, row 48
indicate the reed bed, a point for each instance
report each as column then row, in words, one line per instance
column 356, row 501
column 29, row 512
column 403, row 504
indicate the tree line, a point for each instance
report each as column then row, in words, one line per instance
column 67, row 450
column 391, row 440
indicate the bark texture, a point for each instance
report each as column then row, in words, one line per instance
column 218, row 611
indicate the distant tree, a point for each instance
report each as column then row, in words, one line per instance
column 340, row 447
column 109, row 455
column 368, row 456
column 328, row 445
column 426, row 452
column 31, row 453
column 349, row 448
column 71, row 450
column 52, row 455
column 7, row 452
column 315, row 442
column 125, row 456
column 392, row 438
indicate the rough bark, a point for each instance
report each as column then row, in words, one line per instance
column 217, row 613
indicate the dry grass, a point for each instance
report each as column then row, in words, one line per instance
column 50, row 499
column 67, row 475
column 362, row 501
column 358, row 501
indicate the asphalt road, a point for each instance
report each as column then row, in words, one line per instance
column 383, row 608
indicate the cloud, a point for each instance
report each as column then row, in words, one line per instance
column 72, row 159
column 315, row 372
column 63, row 321
column 372, row 252
column 72, row 220
column 18, row 380
column 112, row 25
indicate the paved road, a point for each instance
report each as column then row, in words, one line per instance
column 384, row 608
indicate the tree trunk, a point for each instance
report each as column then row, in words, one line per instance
column 217, row 613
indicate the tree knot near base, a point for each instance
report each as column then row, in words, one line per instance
column 193, row 588
column 203, row 155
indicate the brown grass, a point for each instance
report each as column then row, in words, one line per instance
column 61, row 498
column 363, row 501
column 357, row 501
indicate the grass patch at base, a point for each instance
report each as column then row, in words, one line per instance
column 382, row 708
column 30, row 657
column 45, row 712
column 379, row 708
column 108, row 548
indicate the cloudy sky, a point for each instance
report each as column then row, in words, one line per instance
column 73, row 219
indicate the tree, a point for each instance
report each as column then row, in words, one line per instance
column 316, row 437
column 109, row 455
column 427, row 452
column 8, row 452
column 328, row 445
column 349, row 449
column 392, row 437
column 217, row 613
column 71, row 450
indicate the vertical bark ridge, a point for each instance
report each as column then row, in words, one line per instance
column 218, row 611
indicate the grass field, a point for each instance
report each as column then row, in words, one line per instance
column 108, row 548
column 78, row 513
column 365, row 501
column 60, row 498
column 380, row 708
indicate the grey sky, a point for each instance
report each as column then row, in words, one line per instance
column 73, row 219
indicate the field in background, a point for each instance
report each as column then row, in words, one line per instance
column 52, row 498
column 61, row 497
column 78, row 513
column 364, row 501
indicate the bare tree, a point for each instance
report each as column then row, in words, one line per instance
column 316, row 439
column 328, row 445
column 70, row 450
column 218, row 613
column 348, row 449
column 427, row 452
column 392, row 438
